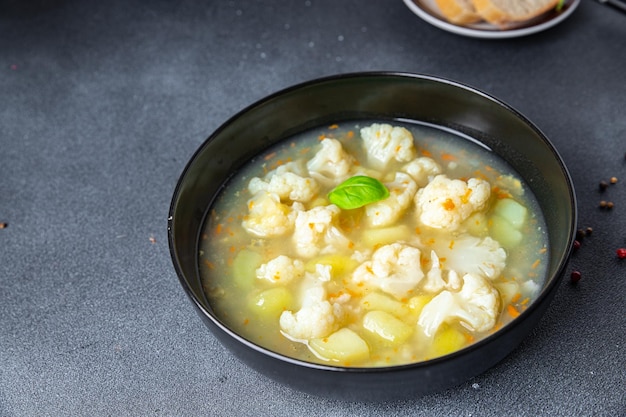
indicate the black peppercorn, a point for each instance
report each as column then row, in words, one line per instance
column 603, row 185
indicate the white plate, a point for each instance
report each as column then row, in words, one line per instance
column 428, row 10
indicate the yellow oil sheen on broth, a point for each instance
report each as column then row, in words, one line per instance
column 455, row 252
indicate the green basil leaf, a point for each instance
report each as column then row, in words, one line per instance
column 357, row 192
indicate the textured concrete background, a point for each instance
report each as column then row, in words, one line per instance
column 102, row 104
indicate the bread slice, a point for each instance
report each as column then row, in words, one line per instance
column 499, row 12
column 458, row 11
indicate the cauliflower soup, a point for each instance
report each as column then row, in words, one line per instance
column 373, row 243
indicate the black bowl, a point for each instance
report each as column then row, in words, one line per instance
column 373, row 96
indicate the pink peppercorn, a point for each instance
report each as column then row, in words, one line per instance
column 621, row 253
column 575, row 276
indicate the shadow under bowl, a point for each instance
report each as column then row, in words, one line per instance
column 373, row 96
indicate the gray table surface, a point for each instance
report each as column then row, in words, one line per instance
column 102, row 104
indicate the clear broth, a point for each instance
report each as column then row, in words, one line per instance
column 233, row 297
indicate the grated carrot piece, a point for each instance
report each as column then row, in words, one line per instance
column 448, row 205
column 501, row 195
column 465, row 198
column 512, row 311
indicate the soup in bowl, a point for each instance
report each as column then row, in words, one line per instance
column 373, row 236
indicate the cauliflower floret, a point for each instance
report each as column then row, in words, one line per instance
column 394, row 268
column 289, row 181
column 315, row 232
column 268, row 217
column 467, row 254
column 384, row 143
column 322, row 272
column 476, row 306
column 434, row 279
column 530, row 288
column 331, row 164
column 316, row 318
column 444, row 203
column 281, row 269
column 385, row 212
column 422, row 170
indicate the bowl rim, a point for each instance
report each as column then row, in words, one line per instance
column 547, row 290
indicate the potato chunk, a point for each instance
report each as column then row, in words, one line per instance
column 378, row 301
column 512, row 211
column 244, row 267
column 271, row 302
column 386, row 235
column 447, row 340
column 504, row 232
column 417, row 303
column 344, row 345
column 387, row 327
